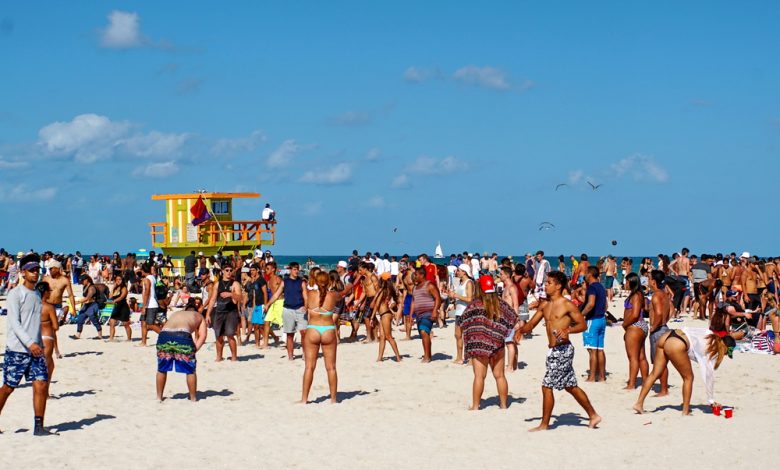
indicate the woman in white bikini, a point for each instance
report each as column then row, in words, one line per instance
column 49, row 325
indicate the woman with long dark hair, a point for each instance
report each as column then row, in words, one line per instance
column 636, row 329
column 121, row 312
column 707, row 347
column 384, row 307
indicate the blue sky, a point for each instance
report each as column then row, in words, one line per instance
column 447, row 120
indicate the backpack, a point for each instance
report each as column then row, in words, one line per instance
column 160, row 292
column 100, row 298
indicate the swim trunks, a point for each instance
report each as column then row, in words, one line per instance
column 408, row 304
column 274, row 314
column 294, row 319
column 593, row 337
column 654, row 337
column 225, row 323
column 23, row 364
column 609, row 281
column 560, row 372
column 154, row 316
column 258, row 318
column 176, row 348
column 424, row 323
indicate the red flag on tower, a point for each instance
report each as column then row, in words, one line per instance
column 200, row 212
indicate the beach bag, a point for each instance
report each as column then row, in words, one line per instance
column 761, row 342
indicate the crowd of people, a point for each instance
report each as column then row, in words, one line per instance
column 492, row 304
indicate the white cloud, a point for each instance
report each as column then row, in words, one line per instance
column 337, row 174
column 576, row 176
column 488, row 77
column 425, row 165
column 88, row 136
column 157, row 170
column 640, row 168
column 22, row 193
column 373, row 154
column 420, row 74
column 154, row 144
column 312, row 208
column 376, row 202
column 400, row 182
column 11, row 164
column 243, row 144
column 122, row 32
column 284, row 154
column 351, row 118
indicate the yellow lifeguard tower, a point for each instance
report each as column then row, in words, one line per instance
column 177, row 236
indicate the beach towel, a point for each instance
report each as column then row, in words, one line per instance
column 275, row 312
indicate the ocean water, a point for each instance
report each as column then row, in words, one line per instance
column 329, row 262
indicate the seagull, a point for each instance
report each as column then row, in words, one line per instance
column 559, row 186
column 395, row 229
column 546, row 226
column 595, row 186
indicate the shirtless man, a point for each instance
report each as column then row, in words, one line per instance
column 408, row 287
column 177, row 347
column 610, row 273
column 511, row 296
column 58, row 283
column 561, row 319
column 660, row 311
column 582, row 269
column 274, row 281
column 370, row 283
column 749, row 281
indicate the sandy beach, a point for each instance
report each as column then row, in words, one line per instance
column 390, row 416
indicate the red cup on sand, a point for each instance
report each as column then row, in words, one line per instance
column 716, row 410
column 728, row 412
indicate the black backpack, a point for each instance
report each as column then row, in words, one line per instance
column 160, row 291
column 100, row 298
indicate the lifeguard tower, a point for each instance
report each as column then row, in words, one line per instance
column 177, row 236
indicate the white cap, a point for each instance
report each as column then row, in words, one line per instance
column 465, row 268
column 342, row 264
column 53, row 263
column 745, row 254
column 200, row 253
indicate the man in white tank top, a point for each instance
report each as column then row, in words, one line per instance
column 150, row 317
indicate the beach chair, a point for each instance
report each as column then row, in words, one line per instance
column 105, row 313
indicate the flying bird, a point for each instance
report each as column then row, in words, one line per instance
column 546, row 226
column 395, row 229
column 559, row 186
column 595, row 186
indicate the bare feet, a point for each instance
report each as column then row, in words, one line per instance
column 219, row 359
column 629, row 387
column 594, row 421
column 398, row 359
column 661, row 394
column 538, row 428
column 301, row 402
column 474, row 408
column 639, row 409
column 425, row 361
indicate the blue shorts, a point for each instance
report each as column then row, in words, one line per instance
column 609, row 281
column 408, row 304
column 258, row 317
column 593, row 337
column 176, row 349
column 424, row 323
column 23, row 364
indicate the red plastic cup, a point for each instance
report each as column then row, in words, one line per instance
column 716, row 410
column 729, row 412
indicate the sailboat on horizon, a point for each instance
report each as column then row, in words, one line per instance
column 438, row 253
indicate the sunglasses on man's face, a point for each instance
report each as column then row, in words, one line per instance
column 228, row 270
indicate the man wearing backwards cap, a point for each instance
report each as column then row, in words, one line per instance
column 24, row 353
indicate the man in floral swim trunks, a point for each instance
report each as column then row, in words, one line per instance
column 561, row 318
column 176, row 347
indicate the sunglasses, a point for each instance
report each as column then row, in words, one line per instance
column 228, row 270
column 34, row 270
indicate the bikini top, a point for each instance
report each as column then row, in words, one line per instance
column 321, row 311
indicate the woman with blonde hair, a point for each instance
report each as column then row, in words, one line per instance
column 385, row 306
column 707, row 347
column 485, row 323
column 321, row 334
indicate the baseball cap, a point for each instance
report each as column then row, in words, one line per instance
column 486, row 284
column 731, row 293
column 465, row 268
column 342, row 264
column 384, row 276
column 745, row 254
column 30, row 261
